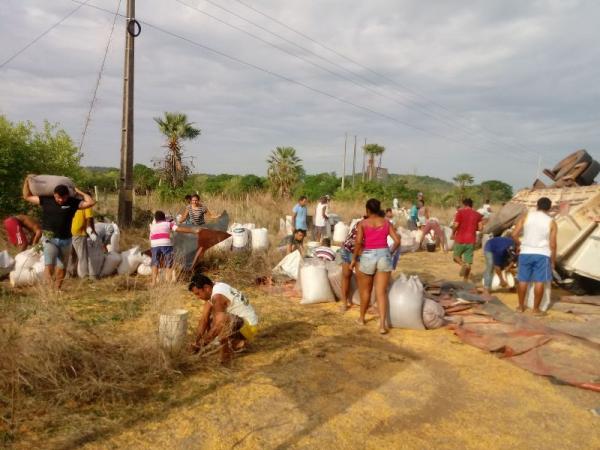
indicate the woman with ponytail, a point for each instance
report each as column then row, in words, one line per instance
column 375, row 260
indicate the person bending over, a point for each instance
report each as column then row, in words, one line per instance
column 227, row 315
column 498, row 253
column 15, row 229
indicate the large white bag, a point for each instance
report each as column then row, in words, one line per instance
column 130, row 261
column 260, row 239
column 315, row 285
column 407, row 240
column 7, row 263
column 545, row 304
column 111, row 263
column 433, row 314
column 449, row 233
column 43, row 185
column 340, row 232
column 406, row 303
column 144, row 270
column 289, row 266
column 508, row 276
column 334, row 273
column 26, row 259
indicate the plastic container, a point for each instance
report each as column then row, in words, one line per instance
column 240, row 238
column 260, row 239
column 340, row 232
column 172, row 330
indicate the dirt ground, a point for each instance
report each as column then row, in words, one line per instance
column 315, row 379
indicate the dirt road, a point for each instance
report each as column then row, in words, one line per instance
column 315, row 379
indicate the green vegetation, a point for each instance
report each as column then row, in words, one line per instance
column 175, row 126
column 284, row 171
column 23, row 150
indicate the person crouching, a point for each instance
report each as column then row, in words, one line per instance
column 227, row 315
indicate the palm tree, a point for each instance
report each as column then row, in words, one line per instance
column 176, row 128
column 373, row 150
column 463, row 180
column 284, row 170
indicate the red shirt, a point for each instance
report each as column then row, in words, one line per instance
column 468, row 222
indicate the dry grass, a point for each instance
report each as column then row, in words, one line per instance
column 94, row 349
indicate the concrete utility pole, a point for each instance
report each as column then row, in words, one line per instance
column 364, row 170
column 126, row 177
column 354, row 164
column 344, row 165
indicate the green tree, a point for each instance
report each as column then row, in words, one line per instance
column 496, row 190
column 23, row 150
column 373, row 150
column 176, row 128
column 463, row 180
column 315, row 186
column 145, row 178
column 284, row 171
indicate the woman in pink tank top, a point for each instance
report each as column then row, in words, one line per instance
column 375, row 260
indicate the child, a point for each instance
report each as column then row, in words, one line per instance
column 325, row 252
column 161, row 244
column 227, row 315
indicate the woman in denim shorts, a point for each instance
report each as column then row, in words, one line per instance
column 375, row 260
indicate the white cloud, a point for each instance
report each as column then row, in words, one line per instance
column 526, row 71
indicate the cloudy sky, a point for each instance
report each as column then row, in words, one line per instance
column 446, row 86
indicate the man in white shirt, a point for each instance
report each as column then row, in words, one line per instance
column 227, row 315
column 321, row 218
column 537, row 255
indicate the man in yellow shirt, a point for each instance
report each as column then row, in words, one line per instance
column 84, row 237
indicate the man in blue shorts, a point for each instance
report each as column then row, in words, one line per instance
column 537, row 257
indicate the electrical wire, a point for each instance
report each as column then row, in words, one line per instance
column 290, row 80
column 416, row 94
column 100, row 72
column 44, row 33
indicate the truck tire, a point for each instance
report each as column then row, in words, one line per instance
column 567, row 164
column 504, row 218
column 588, row 176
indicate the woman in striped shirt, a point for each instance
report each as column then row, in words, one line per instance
column 195, row 213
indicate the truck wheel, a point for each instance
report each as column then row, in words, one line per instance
column 567, row 164
column 588, row 176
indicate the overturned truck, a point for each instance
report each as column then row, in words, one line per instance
column 576, row 208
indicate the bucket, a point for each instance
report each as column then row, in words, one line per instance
column 240, row 238
column 431, row 247
column 172, row 330
column 260, row 239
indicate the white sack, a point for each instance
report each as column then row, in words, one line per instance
column 545, row 304
column 260, row 239
column 144, row 270
column 508, row 276
column 289, row 266
column 406, row 303
column 315, row 285
column 433, row 314
column 7, row 263
column 111, row 263
column 130, row 261
column 43, row 185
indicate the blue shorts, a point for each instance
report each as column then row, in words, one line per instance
column 376, row 260
column 57, row 252
column 347, row 256
column 535, row 268
column 162, row 256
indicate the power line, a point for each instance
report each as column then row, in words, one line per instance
column 288, row 79
column 379, row 74
column 325, row 69
column 44, row 33
column 100, row 72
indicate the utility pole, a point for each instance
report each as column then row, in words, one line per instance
column 364, row 162
column 354, row 164
column 344, row 165
column 126, row 176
